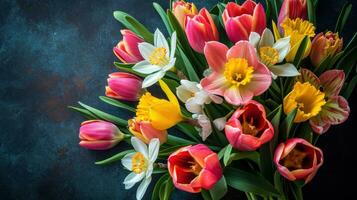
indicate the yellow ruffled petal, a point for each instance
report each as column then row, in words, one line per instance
column 164, row 116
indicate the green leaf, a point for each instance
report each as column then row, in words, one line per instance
column 249, row 182
column 173, row 140
column 352, row 43
column 266, row 162
column 227, row 154
column 189, row 130
column 348, row 61
column 127, row 68
column 250, row 155
column 105, row 116
column 287, row 124
column 219, row 190
column 192, row 75
column 301, row 51
column 168, row 151
column 296, row 191
column 114, row 158
column 279, row 186
column 305, row 132
column 275, row 121
column 159, row 171
column 206, row 195
column 84, row 112
column 132, row 24
column 163, row 16
column 166, row 189
column 156, row 190
column 311, row 10
column 221, row 152
column 342, row 18
column 350, row 88
column 117, row 103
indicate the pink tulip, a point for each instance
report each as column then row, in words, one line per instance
column 297, row 159
column 200, row 29
column 181, row 9
column 293, row 9
column 123, row 86
column 99, row 135
column 127, row 50
column 248, row 128
column 237, row 74
column 145, row 131
column 240, row 21
column 324, row 46
column 193, row 168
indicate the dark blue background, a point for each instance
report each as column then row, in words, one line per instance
column 54, row 53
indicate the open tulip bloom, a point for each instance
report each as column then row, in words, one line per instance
column 242, row 102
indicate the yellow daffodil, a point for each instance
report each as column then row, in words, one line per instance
column 161, row 113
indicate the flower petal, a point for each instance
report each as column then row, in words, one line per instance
column 243, row 49
column 254, row 39
column 154, row 147
column 193, row 107
column 173, row 45
column 152, row 79
column 172, row 98
column 267, row 39
column 145, row 67
column 283, row 47
column 146, row 49
column 127, row 162
column 170, row 65
column 215, row 83
column 132, row 179
column 215, row 53
column 142, row 188
column 308, row 76
column 160, row 41
column 139, row 146
column 237, row 96
column 332, row 82
column 287, row 70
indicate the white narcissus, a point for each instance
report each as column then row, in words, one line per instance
column 205, row 128
column 158, row 58
column 141, row 164
column 272, row 53
column 194, row 97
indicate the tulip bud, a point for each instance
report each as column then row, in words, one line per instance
column 324, row 46
column 127, row 50
column 99, row 135
column 200, row 29
column 293, row 9
column 123, row 86
column 297, row 159
column 145, row 131
column 240, row 21
column 194, row 168
column 181, row 9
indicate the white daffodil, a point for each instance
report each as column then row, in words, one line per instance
column 158, row 58
column 141, row 164
column 271, row 53
column 194, row 97
column 205, row 128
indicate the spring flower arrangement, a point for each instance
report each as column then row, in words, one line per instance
column 247, row 90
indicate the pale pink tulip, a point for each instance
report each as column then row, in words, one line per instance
column 127, row 49
column 123, row 86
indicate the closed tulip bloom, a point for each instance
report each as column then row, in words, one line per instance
column 293, row 9
column 145, row 131
column 99, row 135
column 200, row 29
column 297, row 159
column 123, row 86
column 325, row 45
column 181, row 9
column 127, row 49
column 194, row 168
column 240, row 21
column 248, row 128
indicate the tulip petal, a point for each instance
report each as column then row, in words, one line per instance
column 145, row 67
column 259, row 19
column 332, row 82
column 309, row 76
column 139, row 146
column 199, row 152
column 215, row 53
column 286, row 70
column 152, row 79
column 98, row 145
column 149, row 132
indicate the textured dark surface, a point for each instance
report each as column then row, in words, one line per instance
column 54, row 53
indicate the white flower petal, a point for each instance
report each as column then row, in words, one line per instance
column 286, row 69
column 173, row 45
column 127, row 161
column 132, row 179
column 153, row 78
column 192, row 106
column 202, row 97
column 206, row 128
column 142, row 188
column 140, row 146
column 146, row 49
column 254, row 39
column 267, row 38
column 216, row 99
column 183, row 94
column 160, row 41
column 149, row 170
column 145, row 67
column 220, row 123
column 283, row 47
column 170, row 65
column 154, row 147
column 190, row 85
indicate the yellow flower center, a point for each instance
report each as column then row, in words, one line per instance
column 296, row 159
column 307, row 99
column 298, row 27
column 158, row 57
column 268, row 55
column 238, row 72
column 139, row 163
column 195, row 167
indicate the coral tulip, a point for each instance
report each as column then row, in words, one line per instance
column 240, row 21
column 145, row 131
column 293, row 9
column 181, row 9
column 127, row 49
column 297, row 159
column 248, row 128
column 99, row 135
column 123, row 86
column 193, row 168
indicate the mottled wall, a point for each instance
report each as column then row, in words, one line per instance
column 54, row 53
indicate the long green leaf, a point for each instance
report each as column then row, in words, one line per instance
column 206, row 195
column 305, row 132
column 250, row 155
column 84, row 112
column 311, row 11
column 342, row 18
column 350, row 88
column 166, row 189
column 219, row 190
column 348, row 61
column 163, row 16
column 279, row 186
column 287, row 124
column 116, row 103
column 114, row 158
column 156, row 190
column 275, row 121
column 301, row 51
column 127, row 68
column 248, row 182
column 173, row 140
column 227, row 154
column 189, row 68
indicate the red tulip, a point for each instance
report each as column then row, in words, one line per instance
column 240, row 21
column 297, row 159
column 127, row 50
column 145, row 131
column 293, row 9
column 248, row 128
column 200, row 29
column 123, row 86
column 193, row 168
column 99, row 135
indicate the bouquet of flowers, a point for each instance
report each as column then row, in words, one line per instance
column 248, row 91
